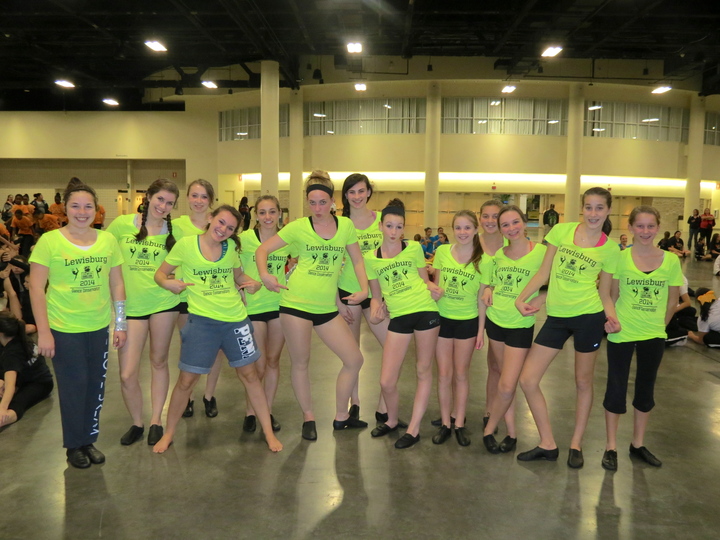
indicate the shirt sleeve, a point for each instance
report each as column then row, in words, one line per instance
column 554, row 236
column 611, row 262
column 116, row 258
column 676, row 275
column 438, row 260
column 418, row 255
column 487, row 264
column 175, row 257
column 41, row 254
column 369, row 270
column 351, row 235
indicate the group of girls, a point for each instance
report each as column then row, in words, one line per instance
column 482, row 282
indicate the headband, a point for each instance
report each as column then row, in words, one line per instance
column 321, row 187
column 394, row 210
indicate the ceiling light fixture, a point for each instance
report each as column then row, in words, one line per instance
column 111, row 101
column 387, row 106
column 594, row 107
column 482, row 121
column 551, row 51
column 354, row 48
column 330, row 132
column 242, row 133
column 319, row 115
column 662, row 89
column 64, row 83
column 360, row 87
column 598, row 129
column 495, row 103
column 209, row 84
column 651, row 120
column 553, row 121
column 156, row 46
column 508, row 89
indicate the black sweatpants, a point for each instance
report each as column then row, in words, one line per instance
column 80, row 367
column 619, row 355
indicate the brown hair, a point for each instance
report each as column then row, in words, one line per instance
column 350, row 181
column 601, row 192
column 477, row 252
column 272, row 198
column 161, row 184
column 207, row 186
column 644, row 209
column 76, row 185
column 238, row 219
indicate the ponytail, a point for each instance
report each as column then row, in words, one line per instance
column 143, row 232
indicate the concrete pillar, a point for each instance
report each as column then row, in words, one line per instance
column 433, row 124
column 573, row 162
column 696, row 139
column 270, row 125
column 522, row 202
column 297, row 198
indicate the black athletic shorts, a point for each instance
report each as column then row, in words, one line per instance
column 267, row 316
column 454, row 329
column 520, row 338
column 365, row 304
column 146, row 317
column 587, row 330
column 316, row 318
column 407, row 324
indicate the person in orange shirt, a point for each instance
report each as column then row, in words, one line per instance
column 4, row 232
column 99, row 217
column 23, row 225
column 18, row 204
column 57, row 209
column 45, row 222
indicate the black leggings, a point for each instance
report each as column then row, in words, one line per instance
column 649, row 355
column 28, row 395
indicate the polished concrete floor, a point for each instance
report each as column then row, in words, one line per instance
column 216, row 482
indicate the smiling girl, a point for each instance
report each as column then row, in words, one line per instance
column 577, row 254
column 81, row 267
column 264, row 306
column 308, row 300
column 462, row 321
column 145, row 240
column 218, row 318
column 510, row 334
column 644, row 293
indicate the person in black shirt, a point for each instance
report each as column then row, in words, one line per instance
column 676, row 245
column 694, row 225
column 26, row 378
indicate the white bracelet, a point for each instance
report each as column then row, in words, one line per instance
column 120, row 320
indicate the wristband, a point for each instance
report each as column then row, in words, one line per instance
column 120, row 321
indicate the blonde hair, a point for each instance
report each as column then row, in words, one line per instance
column 319, row 177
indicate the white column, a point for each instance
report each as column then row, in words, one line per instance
column 573, row 163
column 696, row 136
column 522, row 202
column 297, row 139
column 270, row 125
column 432, row 154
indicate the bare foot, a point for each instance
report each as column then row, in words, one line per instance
column 163, row 444
column 272, row 441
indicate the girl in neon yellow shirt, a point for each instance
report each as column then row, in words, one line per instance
column 402, row 290
column 264, row 306
column 200, row 199
column 462, row 322
column 82, row 269
column 218, row 318
column 308, row 300
column 510, row 334
column 577, row 255
column 145, row 239
column 644, row 293
column 356, row 193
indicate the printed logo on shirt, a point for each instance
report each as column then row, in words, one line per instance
column 647, row 293
column 572, row 264
column 215, row 280
column 395, row 275
column 86, row 273
column 325, row 261
column 143, row 254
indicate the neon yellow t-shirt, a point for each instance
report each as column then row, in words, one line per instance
column 461, row 283
column 78, row 295
column 313, row 285
column 572, row 290
column 368, row 240
column 403, row 289
column 142, row 259
column 213, row 294
column 642, row 304
column 188, row 228
column 508, row 278
column 263, row 300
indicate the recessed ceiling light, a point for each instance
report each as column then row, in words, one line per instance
column 156, row 46
column 598, row 129
column 387, row 106
column 651, row 120
column 111, row 101
column 319, row 115
column 662, row 89
column 354, row 48
column 494, row 103
column 242, row 133
column 553, row 121
column 482, row 121
column 209, row 84
column 360, row 87
column 551, row 51
column 508, row 89
column 64, row 83
column 331, row 132
column 594, row 107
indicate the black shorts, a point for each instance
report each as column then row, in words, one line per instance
column 146, row 317
column 454, row 329
column 316, row 318
column 264, row 317
column 365, row 304
column 520, row 338
column 587, row 330
column 183, row 308
column 407, row 324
